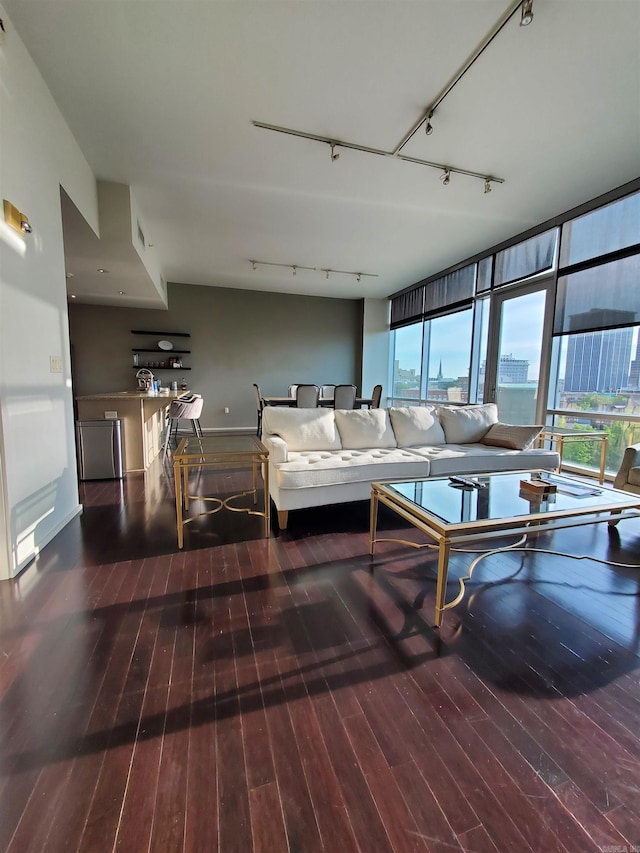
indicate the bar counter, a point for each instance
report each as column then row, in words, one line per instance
column 143, row 420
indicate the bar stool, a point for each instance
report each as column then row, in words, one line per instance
column 186, row 409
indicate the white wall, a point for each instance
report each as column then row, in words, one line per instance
column 375, row 346
column 37, row 155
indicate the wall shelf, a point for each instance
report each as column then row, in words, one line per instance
column 166, row 334
column 164, row 351
column 150, row 346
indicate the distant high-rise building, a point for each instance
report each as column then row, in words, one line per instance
column 634, row 370
column 599, row 361
column 511, row 371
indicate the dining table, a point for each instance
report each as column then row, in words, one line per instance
column 327, row 402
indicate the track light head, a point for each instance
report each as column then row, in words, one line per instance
column 527, row 13
column 487, row 185
column 445, row 177
column 334, row 154
column 428, row 128
column 253, row 265
column 295, row 269
column 359, row 277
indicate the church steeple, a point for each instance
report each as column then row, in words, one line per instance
column 440, row 370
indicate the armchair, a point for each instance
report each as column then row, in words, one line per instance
column 628, row 476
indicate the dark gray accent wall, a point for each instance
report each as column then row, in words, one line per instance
column 237, row 337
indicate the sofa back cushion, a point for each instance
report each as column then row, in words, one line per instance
column 302, row 429
column 467, row 424
column 364, row 428
column 416, row 426
column 514, row 437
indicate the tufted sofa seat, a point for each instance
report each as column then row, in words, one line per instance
column 325, row 456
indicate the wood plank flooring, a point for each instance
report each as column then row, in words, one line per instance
column 290, row 695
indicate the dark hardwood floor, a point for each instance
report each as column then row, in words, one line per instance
column 278, row 695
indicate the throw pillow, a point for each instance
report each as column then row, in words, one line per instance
column 415, row 426
column 513, row 436
column 364, row 428
column 302, row 429
column 467, row 424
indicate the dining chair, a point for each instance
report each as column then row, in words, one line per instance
column 375, row 397
column 187, row 409
column 307, row 396
column 326, row 391
column 259, row 405
column 292, row 390
column 344, row 397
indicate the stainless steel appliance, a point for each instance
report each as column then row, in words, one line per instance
column 99, row 448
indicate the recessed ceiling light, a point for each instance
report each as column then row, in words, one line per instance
column 121, row 292
column 100, row 269
column 73, row 296
column 68, row 275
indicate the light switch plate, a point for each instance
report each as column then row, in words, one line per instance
column 110, row 416
column 55, row 364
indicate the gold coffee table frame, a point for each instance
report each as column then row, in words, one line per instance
column 609, row 505
column 219, row 451
column 565, row 435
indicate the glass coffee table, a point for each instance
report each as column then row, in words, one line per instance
column 219, row 451
column 452, row 515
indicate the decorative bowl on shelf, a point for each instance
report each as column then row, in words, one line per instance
column 165, row 345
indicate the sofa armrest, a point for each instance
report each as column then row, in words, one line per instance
column 631, row 459
column 277, row 447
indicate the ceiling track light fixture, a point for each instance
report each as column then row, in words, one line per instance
column 427, row 115
column 527, row 13
column 445, row 177
column 481, row 176
column 326, row 270
column 526, row 16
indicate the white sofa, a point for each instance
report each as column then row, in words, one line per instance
column 326, row 456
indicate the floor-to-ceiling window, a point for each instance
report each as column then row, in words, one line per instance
column 547, row 327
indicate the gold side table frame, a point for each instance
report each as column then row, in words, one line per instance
column 613, row 506
column 564, row 435
column 211, row 451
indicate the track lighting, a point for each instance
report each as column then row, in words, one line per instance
column 487, row 185
column 326, row 270
column 445, row 177
column 527, row 13
column 334, row 154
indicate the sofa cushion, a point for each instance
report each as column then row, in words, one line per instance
column 515, row 437
column 302, row 429
column 447, row 459
column 415, row 425
column 310, row 469
column 634, row 476
column 360, row 428
column 467, row 424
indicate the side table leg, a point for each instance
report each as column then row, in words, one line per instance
column 603, row 458
column 373, row 522
column 177, row 479
column 441, row 588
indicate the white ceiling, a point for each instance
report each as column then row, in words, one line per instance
column 161, row 94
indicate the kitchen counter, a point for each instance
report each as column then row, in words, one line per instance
column 143, row 421
column 131, row 395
